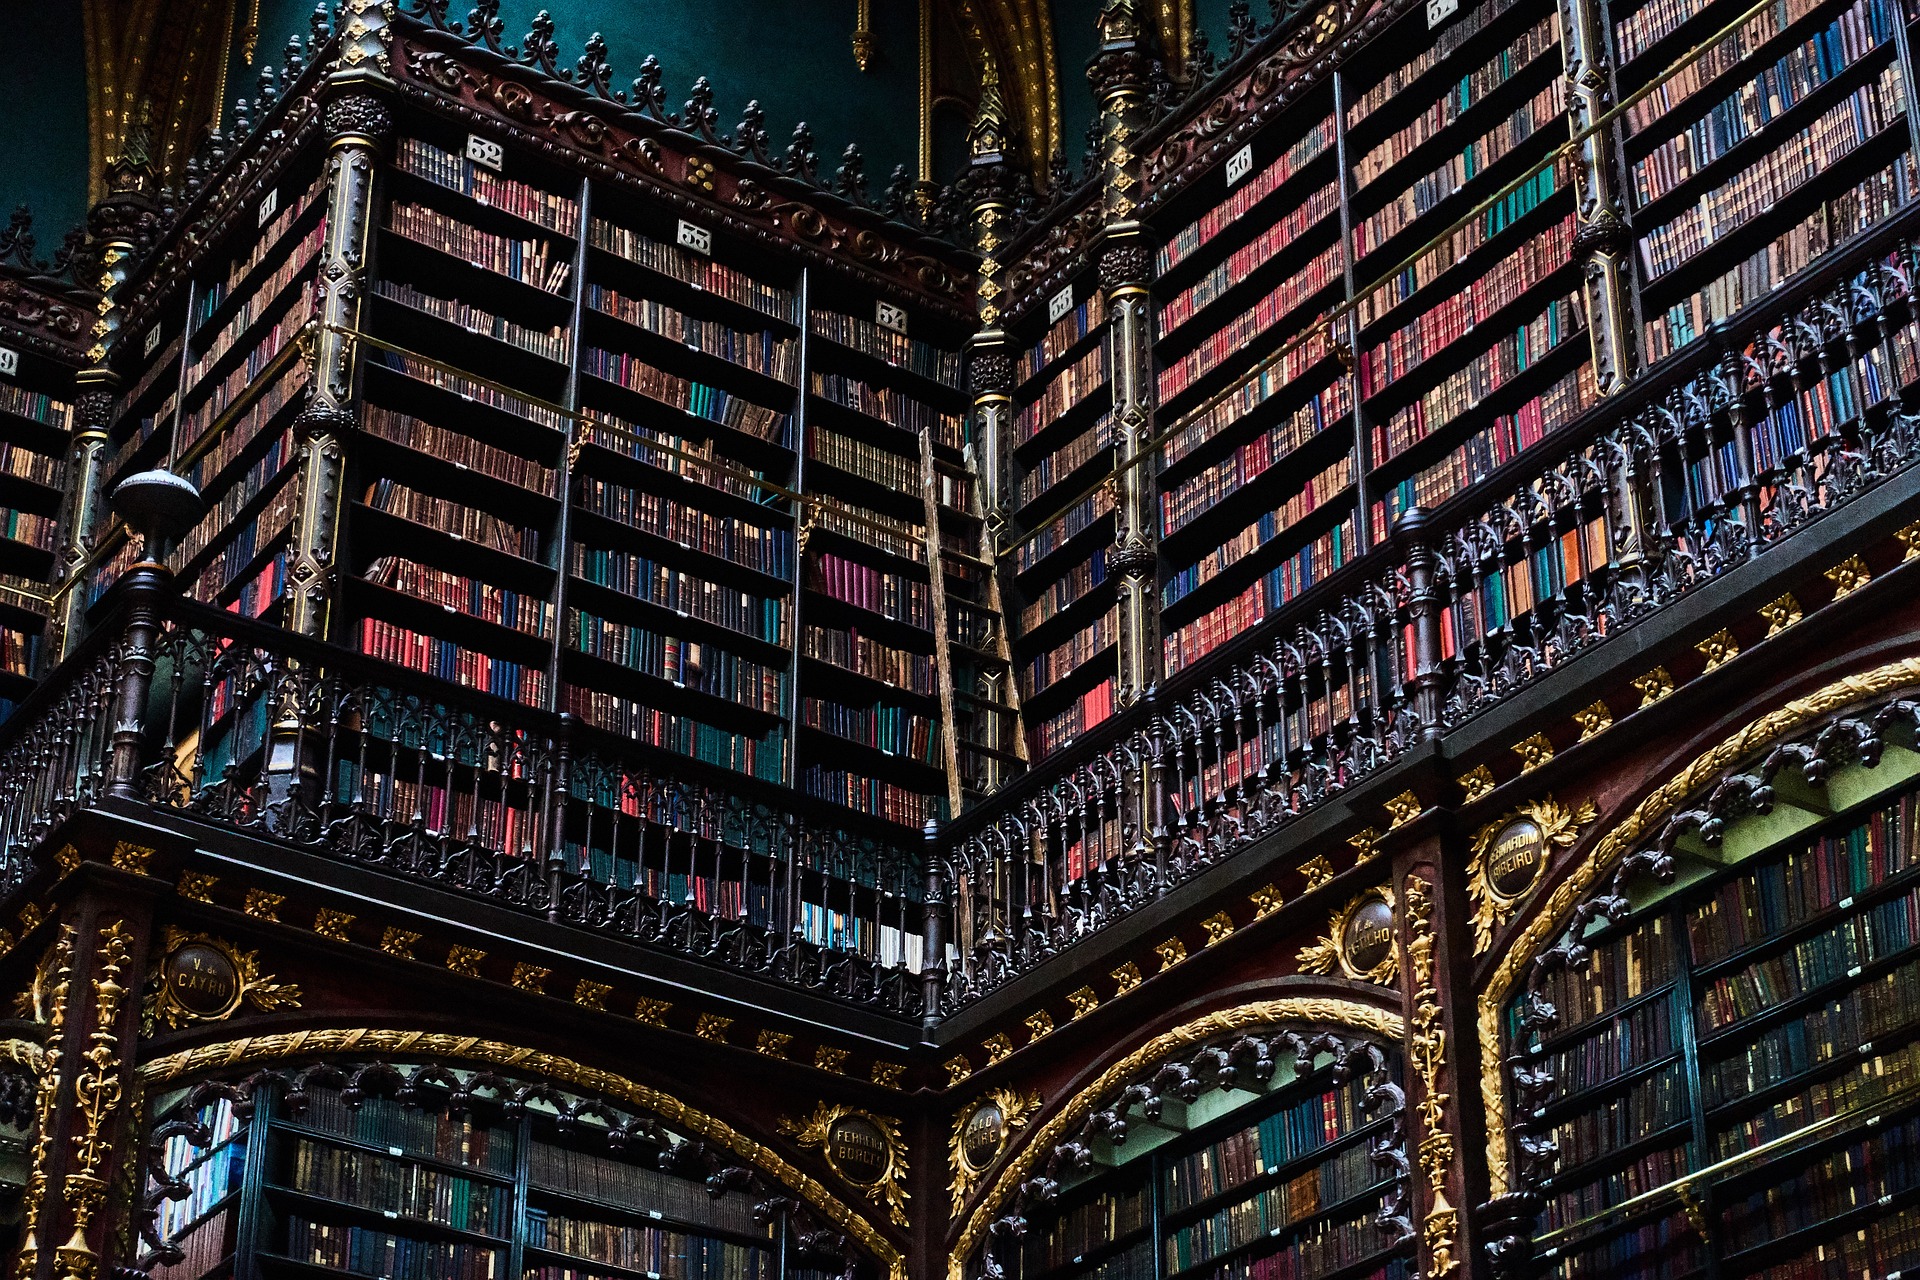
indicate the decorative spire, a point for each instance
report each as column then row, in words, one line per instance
column 988, row 140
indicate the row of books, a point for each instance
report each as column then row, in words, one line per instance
column 1312, row 563
column 689, row 664
column 1267, row 315
column 1831, row 224
column 1639, row 1036
column 1887, row 1246
column 1063, row 591
column 1659, row 1247
column 557, row 213
column 1730, row 51
column 213, row 295
column 1761, row 186
column 757, row 757
column 1464, row 310
column 1862, row 1174
column 1273, row 1209
column 1460, row 97
column 515, row 610
column 1281, row 1138
column 1064, row 461
column 886, row 944
column 268, row 296
column 1836, row 1029
column 1329, row 1247
column 244, row 547
column 1454, row 36
column 895, row 731
column 1759, row 102
column 890, row 595
column 668, row 1255
column 673, row 588
column 240, row 434
column 468, row 391
column 863, row 655
column 702, row 272
column 36, row 406
column 856, row 457
column 867, row 795
column 534, row 261
column 888, row 345
column 1636, row 963
column 1318, row 490
column 553, row 343
column 1315, row 142
column 762, row 351
column 402, row 1187
column 1329, row 407
column 208, row 1178
column 1653, row 1170
column 1090, row 710
column 453, row 1137
column 256, row 595
column 1655, row 1103
column 223, row 518
column 1484, row 452
column 766, row 548
column 1063, row 333
column 1044, row 541
column 1494, row 594
column 889, row 405
column 1828, row 957
column 696, row 460
column 460, row 449
column 492, row 818
column 1650, row 23
column 1532, row 193
column 1113, row 1213
column 635, row 1184
column 202, row 1249
column 1563, row 320
column 1323, row 203
column 1544, row 112
column 363, row 1251
column 1806, row 882
column 869, row 528
column 243, row 377
column 1856, row 1092
column 696, row 398
column 1066, row 389
column 466, row 523
column 19, row 461
column 433, row 656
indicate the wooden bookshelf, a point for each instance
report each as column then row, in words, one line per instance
column 1281, row 1188
column 386, row 1189
column 1730, row 1015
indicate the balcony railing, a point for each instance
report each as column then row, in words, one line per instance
column 1780, row 417
column 1728, row 449
column 195, row 712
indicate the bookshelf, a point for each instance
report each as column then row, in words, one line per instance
column 1280, row 1188
column 305, row 1184
column 1734, row 1013
column 36, row 428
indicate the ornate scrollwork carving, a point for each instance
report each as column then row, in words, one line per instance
column 359, row 115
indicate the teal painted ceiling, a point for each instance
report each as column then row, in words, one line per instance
column 43, row 161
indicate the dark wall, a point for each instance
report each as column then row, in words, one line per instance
column 44, row 166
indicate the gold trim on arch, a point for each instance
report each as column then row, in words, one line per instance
column 355, row 1040
column 1260, row 1013
column 1552, row 916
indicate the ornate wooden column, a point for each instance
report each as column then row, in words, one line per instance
column 991, row 355
column 358, row 124
column 1436, row 944
column 1601, row 240
column 86, row 1001
column 119, row 224
column 1122, row 77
